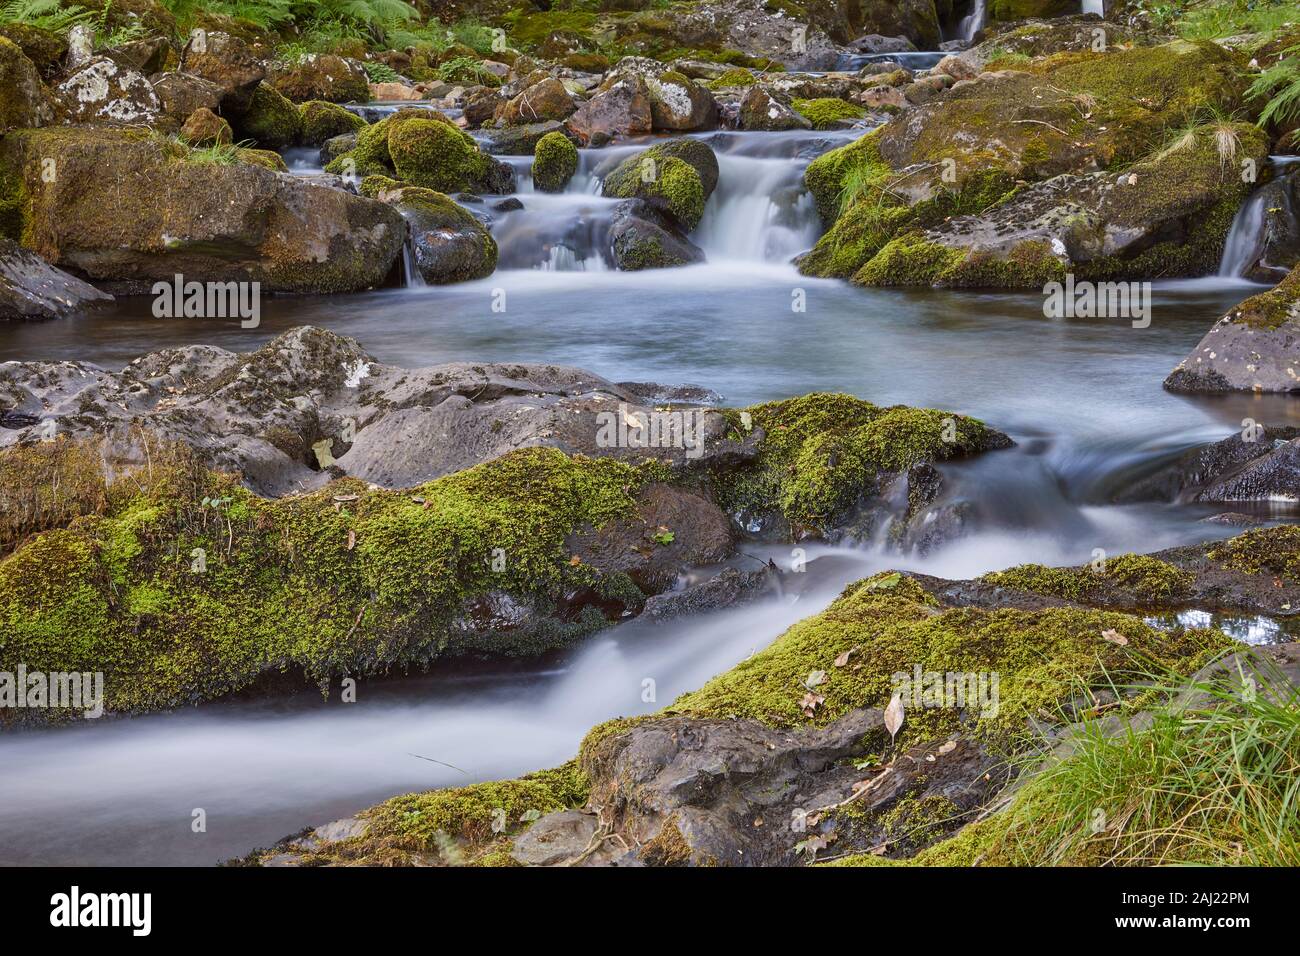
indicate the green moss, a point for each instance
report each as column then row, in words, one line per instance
column 322, row 121
column 529, row 28
column 891, row 625
column 826, row 113
column 434, row 153
column 821, row 452
column 673, row 185
column 908, row 260
column 733, row 79
column 555, row 160
column 1273, row 551
column 271, row 121
column 1152, row 582
column 266, row 158
column 303, row 585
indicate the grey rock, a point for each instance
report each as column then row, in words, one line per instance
column 31, row 289
column 555, row 838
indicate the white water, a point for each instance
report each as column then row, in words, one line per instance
column 1245, row 240
column 1094, row 6
column 973, row 21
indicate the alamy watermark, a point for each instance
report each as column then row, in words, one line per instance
column 57, row 690
column 968, row 690
column 209, row 300
column 1098, row 300
column 682, row 428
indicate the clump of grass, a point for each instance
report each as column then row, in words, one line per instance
column 1212, row 21
column 1215, row 783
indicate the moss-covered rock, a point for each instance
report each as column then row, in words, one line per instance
column 827, row 112
column 44, row 48
column 194, row 588
column 821, row 454
column 555, row 160
column 1024, row 9
column 206, row 128
column 128, row 204
column 666, row 182
column 322, row 120
column 271, row 120
column 320, row 76
column 24, row 100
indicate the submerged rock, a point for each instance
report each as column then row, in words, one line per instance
column 643, row 236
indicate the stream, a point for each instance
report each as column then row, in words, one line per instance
column 1081, row 397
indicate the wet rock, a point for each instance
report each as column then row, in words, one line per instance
column 1254, row 348
column 320, row 76
column 226, row 61
column 1233, row 469
column 643, row 237
column 32, row 290
column 875, row 43
column 621, row 110
column 760, row 110
column 209, row 222
column 621, row 178
column 26, row 102
column 450, row 244
column 554, row 163
column 520, row 140
column 727, row 589
column 436, row 154
column 103, row 90
column 322, row 121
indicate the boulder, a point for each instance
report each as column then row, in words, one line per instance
column 520, row 140
column 128, row 205
column 554, row 162
column 25, row 103
column 916, row 21
column 146, row 56
column 547, row 100
column 45, row 48
column 226, row 61
column 642, row 236
column 434, row 153
column 182, row 93
column 271, row 120
column 669, row 184
column 32, row 290
column 105, row 91
column 628, row 177
column 450, row 244
column 622, row 110
column 677, row 103
column 1259, row 463
column 761, row 110
column 1254, row 348
column 323, row 121
column 394, row 92
column 320, row 76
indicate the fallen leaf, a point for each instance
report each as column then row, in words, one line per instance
column 346, row 497
column 575, row 561
column 948, row 748
column 814, row 678
column 810, row 703
column 352, row 539
column 886, row 583
column 844, row 658
column 811, row 845
column 1115, row 637
column 894, row 716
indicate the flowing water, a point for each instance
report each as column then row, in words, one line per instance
column 1081, row 397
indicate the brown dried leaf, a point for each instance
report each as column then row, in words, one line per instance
column 1115, row 637
column 894, row 716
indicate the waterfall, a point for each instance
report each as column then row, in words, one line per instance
column 973, row 21
column 411, row 278
column 1245, row 240
column 1094, row 6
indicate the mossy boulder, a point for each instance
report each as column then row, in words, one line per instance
column 646, row 236
column 668, row 183
column 1251, row 349
column 322, row 120
column 271, row 121
column 918, row 20
column 44, row 48
column 182, row 93
column 554, row 162
column 963, row 154
column 823, row 459
column 762, row 109
column 450, row 244
column 426, row 149
column 128, row 204
column 320, row 76
column 194, row 588
column 24, row 101
column 1025, row 9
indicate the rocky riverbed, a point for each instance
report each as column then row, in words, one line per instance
column 568, row 344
